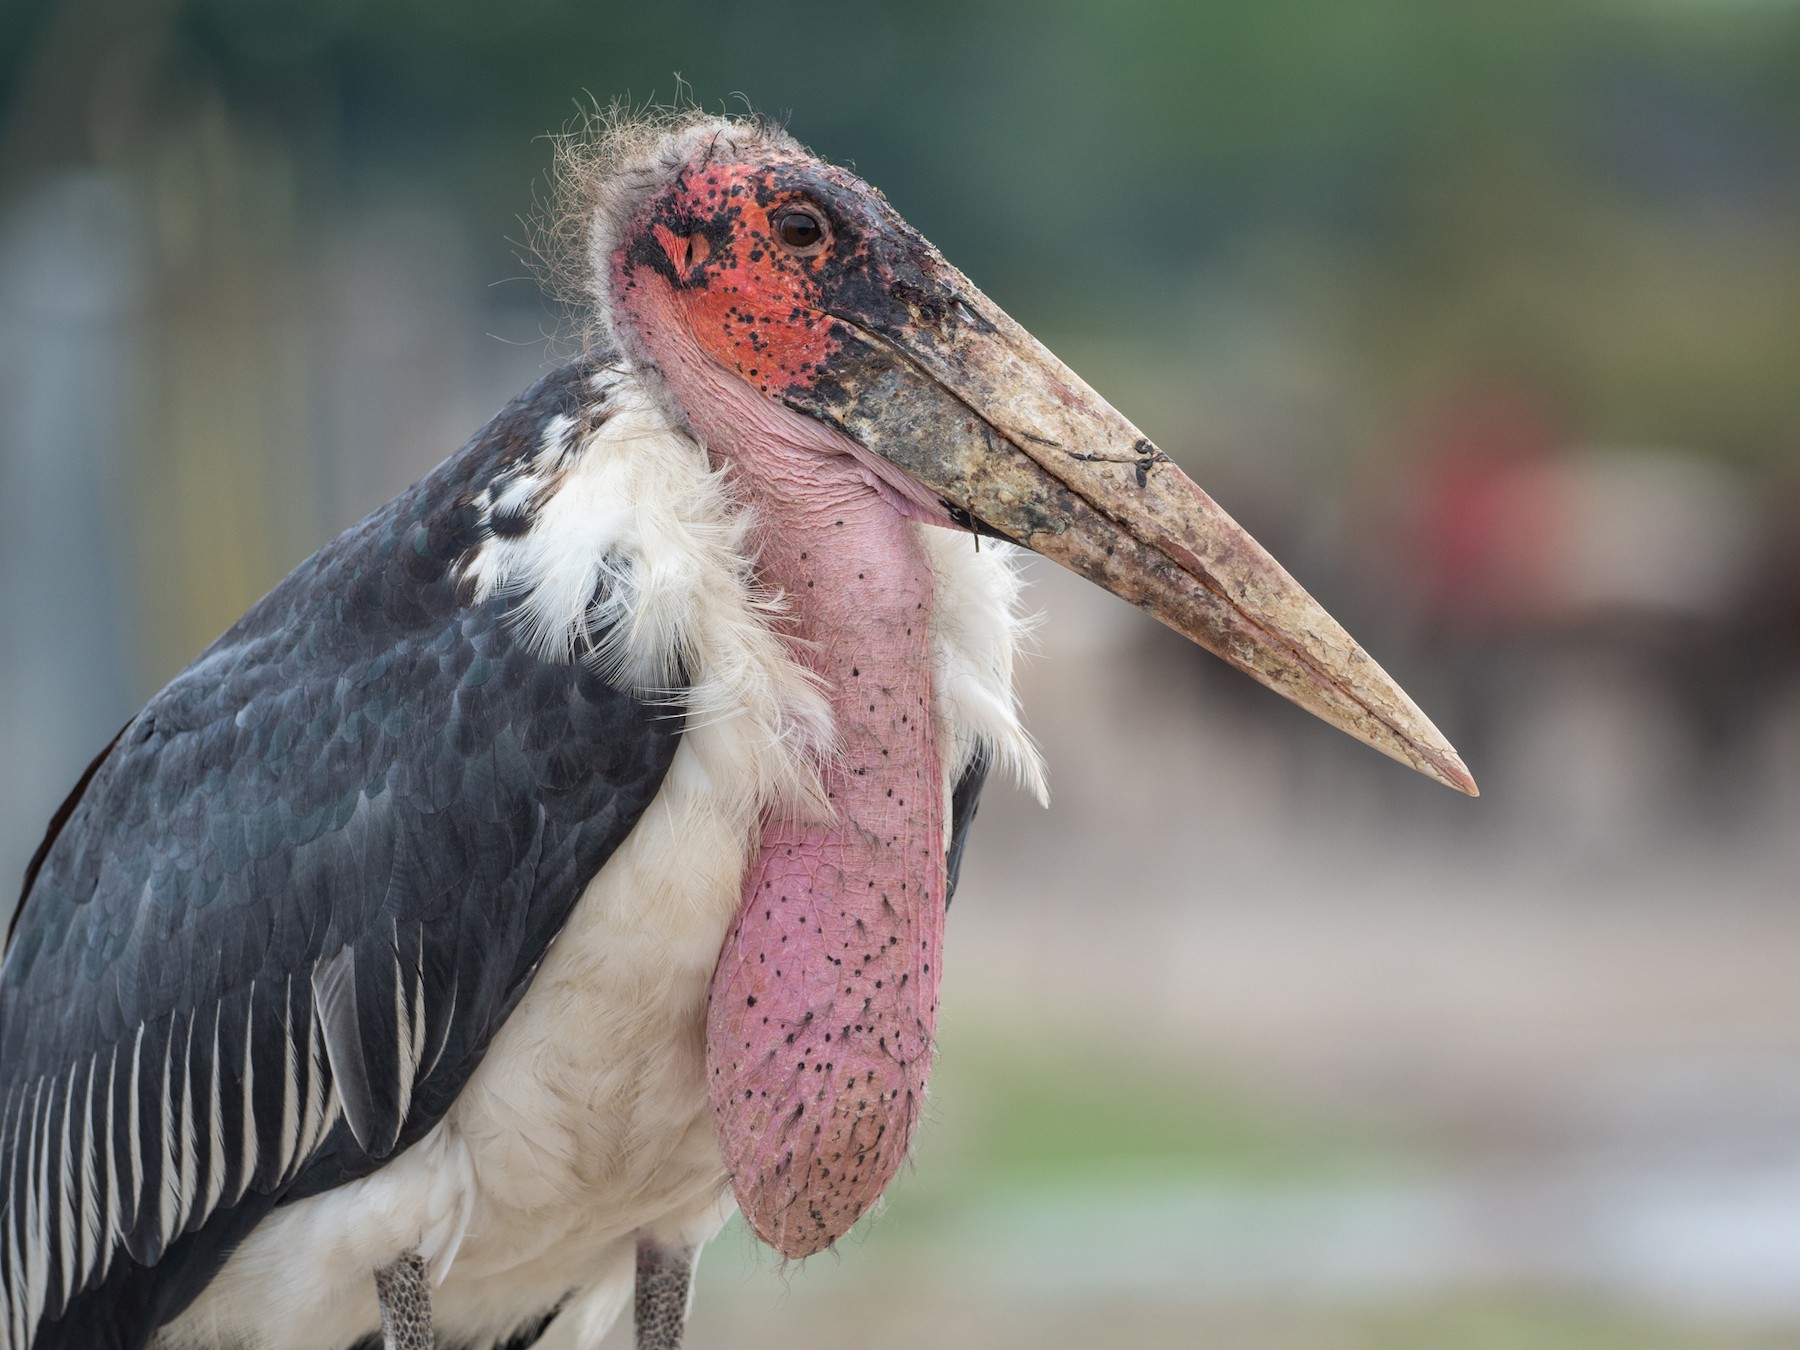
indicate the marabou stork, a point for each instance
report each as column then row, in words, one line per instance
column 561, row 855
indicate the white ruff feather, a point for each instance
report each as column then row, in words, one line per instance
column 588, row 1123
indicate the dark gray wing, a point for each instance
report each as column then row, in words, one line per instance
column 965, row 799
column 275, row 932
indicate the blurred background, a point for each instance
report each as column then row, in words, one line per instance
column 1485, row 318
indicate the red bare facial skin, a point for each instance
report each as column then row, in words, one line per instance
column 824, row 1003
column 750, row 302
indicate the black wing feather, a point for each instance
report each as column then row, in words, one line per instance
column 965, row 798
column 329, row 855
column 54, row 828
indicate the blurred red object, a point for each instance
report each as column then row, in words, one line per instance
column 1484, row 524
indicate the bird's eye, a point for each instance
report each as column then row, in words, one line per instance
column 800, row 229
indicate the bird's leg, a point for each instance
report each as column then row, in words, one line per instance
column 663, row 1280
column 404, row 1290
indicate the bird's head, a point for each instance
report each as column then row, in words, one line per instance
column 773, row 291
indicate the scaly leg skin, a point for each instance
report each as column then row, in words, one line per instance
column 663, row 1280
column 404, row 1290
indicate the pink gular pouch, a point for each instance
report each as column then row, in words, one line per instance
column 824, row 1004
column 854, row 385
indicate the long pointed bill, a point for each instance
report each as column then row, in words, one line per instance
column 972, row 406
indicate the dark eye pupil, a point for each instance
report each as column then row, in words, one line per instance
column 799, row 230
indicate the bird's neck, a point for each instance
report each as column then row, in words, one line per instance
column 824, row 1003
